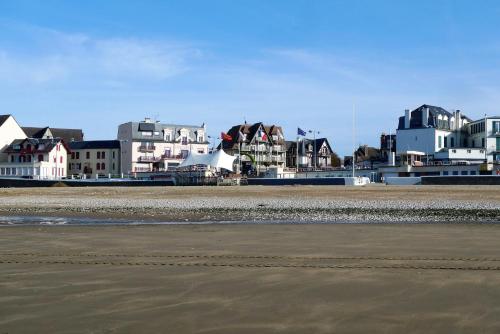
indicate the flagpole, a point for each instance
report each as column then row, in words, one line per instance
column 297, row 156
column 353, row 139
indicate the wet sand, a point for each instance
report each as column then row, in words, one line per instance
column 358, row 278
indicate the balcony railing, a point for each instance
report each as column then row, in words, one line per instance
column 148, row 159
column 172, row 157
column 147, row 148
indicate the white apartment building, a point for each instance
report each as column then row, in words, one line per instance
column 35, row 158
column 485, row 135
column 94, row 158
column 446, row 136
column 149, row 146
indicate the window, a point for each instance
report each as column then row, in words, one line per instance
column 455, row 172
column 439, row 142
column 113, row 166
column 184, row 153
column 87, row 155
column 473, row 143
column 103, row 155
column 157, row 133
column 55, row 160
column 113, row 155
column 445, row 141
column 61, row 159
column 73, row 155
column 472, row 172
column 40, row 157
column 200, row 139
column 482, row 142
column 167, row 153
column 167, row 137
column 147, row 134
column 452, row 142
column 184, row 140
column 98, row 166
column 103, row 166
column 78, row 155
column 464, row 172
column 445, row 172
column 201, row 151
column 12, row 158
column 98, row 155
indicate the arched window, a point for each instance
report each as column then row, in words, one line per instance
column 103, row 166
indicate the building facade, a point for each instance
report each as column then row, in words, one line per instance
column 449, row 136
column 150, row 146
column 35, row 158
column 312, row 153
column 94, row 158
column 256, row 146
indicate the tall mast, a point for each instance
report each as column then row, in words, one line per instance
column 353, row 139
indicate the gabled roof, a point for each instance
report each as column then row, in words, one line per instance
column 250, row 132
column 3, row 118
column 68, row 135
column 37, row 145
column 291, row 146
column 94, row 144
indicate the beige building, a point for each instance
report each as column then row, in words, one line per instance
column 94, row 158
column 152, row 146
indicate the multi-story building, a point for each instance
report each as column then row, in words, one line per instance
column 484, row 134
column 256, row 146
column 35, row 158
column 94, row 158
column 9, row 131
column 430, row 129
column 447, row 136
column 149, row 146
column 309, row 151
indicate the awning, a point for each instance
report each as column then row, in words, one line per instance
column 218, row 159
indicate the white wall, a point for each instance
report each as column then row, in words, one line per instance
column 9, row 131
column 422, row 140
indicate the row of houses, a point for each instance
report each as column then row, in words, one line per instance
column 147, row 147
column 429, row 140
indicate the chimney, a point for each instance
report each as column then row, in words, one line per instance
column 425, row 117
column 458, row 119
column 407, row 118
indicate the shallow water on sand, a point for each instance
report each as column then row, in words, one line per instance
column 78, row 221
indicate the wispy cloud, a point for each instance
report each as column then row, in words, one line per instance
column 61, row 57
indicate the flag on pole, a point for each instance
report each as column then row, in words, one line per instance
column 263, row 135
column 225, row 137
column 301, row 132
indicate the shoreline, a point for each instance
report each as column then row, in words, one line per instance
column 259, row 204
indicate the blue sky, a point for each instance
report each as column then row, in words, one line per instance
column 96, row 64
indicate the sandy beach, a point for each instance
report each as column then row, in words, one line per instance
column 335, row 278
column 441, row 276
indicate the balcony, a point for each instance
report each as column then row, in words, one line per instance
column 172, row 157
column 148, row 159
column 147, row 148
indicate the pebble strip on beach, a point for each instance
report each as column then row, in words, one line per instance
column 258, row 209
